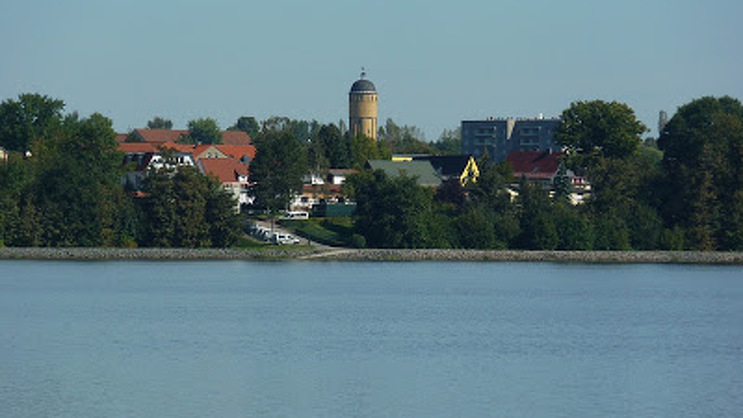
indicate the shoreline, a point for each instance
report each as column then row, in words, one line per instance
column 350, row 254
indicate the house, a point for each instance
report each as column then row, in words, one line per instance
column 541, row 167
column 319, row 189
column 460, row 167
column 143, row 156
column 174, row 135
column 538, row 167
column 423, row 171
column 227, row 163
column 232, row 174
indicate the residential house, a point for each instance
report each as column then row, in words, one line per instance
column 143, row 156
column 541, row 168
column 232, row 174
column 232, row 171
column 319, row 189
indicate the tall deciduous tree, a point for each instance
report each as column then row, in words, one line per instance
column 364, row 149
column 277, row 169
column 247, row 124
column 449, row 142
column 598, row 130
column 335, row 147
column 394, row 212
column 159, row 123
column 184, row 208
column 703, row 160
column 204, row 131
column 602, row 141
column 77, row 183
column 32, row 117
column 403, row 139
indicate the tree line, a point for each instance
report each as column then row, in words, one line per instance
column 61, row 186
column 681, row 192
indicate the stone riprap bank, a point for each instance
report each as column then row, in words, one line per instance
column 338, row 254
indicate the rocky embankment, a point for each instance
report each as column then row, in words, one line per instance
column 343, row 254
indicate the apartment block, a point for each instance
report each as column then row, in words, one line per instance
column 499, row 137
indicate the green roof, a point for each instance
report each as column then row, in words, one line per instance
column 422, row 170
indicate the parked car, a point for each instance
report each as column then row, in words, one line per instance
column 284, row 239
column 300, row 215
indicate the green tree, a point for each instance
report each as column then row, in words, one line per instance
column 159, row 123
column 561, row 183
column 403, row 139
column 449, row 142
column 538, row 231
column 221, row 217
column 335, row 147
column 30, row 118
column 203, row 131
column 702, row 148
column 247, row 124
column 16, row 174
column 278, row 168
column 573, row 227
column 490, row 193
column 475, row 229
column 364, row 149
column 611, row 231
column 394, row 213
column 598, row 129
column 159, row 209
column 600, row 139
column 77, row 182
column 184, row 208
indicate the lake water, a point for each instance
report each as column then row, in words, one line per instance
column 224, row 339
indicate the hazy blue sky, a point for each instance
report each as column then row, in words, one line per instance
column 433, row 64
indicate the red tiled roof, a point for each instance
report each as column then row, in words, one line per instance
column 226, row 170
column 121, row 137
column 534, row 164
column 173, row 135
column 184, row 148
column 132, row 147
column 236, row 138
column 200, row 149
column 160, row 135
column 238, row 151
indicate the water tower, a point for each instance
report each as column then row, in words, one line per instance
column 362, row 108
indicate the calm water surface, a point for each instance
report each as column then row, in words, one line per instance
column 176, row 339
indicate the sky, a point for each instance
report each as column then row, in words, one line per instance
column 434, row 65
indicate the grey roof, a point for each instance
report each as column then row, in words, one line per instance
column 363, row 86
column 422, row 170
